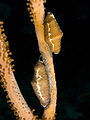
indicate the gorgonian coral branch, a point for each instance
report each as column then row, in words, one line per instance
column 49, row 37
column 7, row 78
column 36, row 10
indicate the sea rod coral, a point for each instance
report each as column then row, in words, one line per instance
column 49, row 37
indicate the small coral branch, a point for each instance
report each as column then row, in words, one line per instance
column 36, row 10
column 14, row 96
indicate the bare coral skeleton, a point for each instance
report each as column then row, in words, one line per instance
column 49, row 37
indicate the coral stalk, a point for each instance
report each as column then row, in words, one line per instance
column 14, row 96
column 36, row 9
column 48, row 41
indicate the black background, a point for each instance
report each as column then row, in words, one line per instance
column 72, row 64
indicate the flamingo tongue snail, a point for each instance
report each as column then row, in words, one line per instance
column 42, row 82
column 52, row 33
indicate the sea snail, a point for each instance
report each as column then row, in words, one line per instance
column 41, row 82
column 52, row 33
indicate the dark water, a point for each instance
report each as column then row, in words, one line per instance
column 72, row 65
